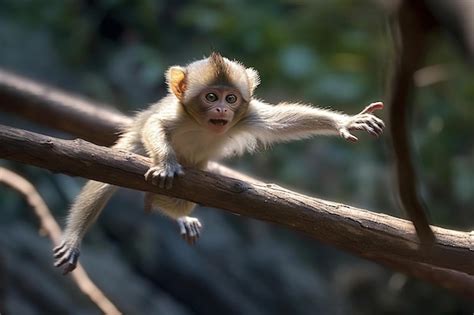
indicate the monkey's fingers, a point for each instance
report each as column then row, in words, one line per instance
column 367, row 127
column 151, row 174
column 367, row 122
column 170, row 174
column 379, row 122
column 375, row 124
column 168, row 182
column 161, row 179
column 370, row 119
column 372, row 107
column 344, row 132
column 60, row 253
column 61, row 260
column 157, row 177
column 59, row 247
column 378, row 130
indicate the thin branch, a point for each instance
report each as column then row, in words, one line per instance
column 49, row 227
column 411, row 27
column 456, row 281
column 371, row 235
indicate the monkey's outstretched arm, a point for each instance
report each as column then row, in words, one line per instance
column 165, row 164
column 284, row 122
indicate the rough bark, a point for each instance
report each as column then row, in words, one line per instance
column 370, row 235
column 83, row 119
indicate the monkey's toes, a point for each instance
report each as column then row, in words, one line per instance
column 190, row 229
column 66, row 255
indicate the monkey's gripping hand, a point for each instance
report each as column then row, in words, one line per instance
column 163, row 175
column 67, row 253
column 365, row 121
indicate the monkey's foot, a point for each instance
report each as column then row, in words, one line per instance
column 163, row 175
column 190, row 229
column 68, row 255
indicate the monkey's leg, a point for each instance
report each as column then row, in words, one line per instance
column 177, row 209
column 84, row 212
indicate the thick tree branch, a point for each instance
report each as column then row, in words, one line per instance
column 49, row 227
column 83, row 119
column 371, row 235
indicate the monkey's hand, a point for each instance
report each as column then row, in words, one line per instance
column 365, row 121
column 189, row 228
column 67, row 253
column 163, row 175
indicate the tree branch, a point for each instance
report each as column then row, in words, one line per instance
column 83, row 119
column 371, row 235
column 411, row 27
column 63, row 111
column 50, row 228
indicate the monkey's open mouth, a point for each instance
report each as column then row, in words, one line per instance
column 218, row 122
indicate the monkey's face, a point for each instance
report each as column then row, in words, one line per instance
column 216, row 107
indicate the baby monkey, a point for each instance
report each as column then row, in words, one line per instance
column 209, row 113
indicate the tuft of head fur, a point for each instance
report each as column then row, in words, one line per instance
column 217, row 70
column 219, row 67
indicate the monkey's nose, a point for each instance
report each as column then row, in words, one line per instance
column 221, row 110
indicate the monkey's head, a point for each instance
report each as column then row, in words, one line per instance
column 215, row 91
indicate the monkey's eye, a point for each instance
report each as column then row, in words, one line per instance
column 231, row 98
column 211, row 97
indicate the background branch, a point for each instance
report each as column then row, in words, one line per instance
column 374, row 236
column 63, row 111
column 411, row 27
column 49, row 227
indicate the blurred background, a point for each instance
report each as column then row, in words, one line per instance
column 334, row 54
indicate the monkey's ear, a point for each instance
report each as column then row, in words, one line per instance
column 176, row 79
column 254, row 78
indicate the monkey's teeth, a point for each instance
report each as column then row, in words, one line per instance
column 219, row 122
